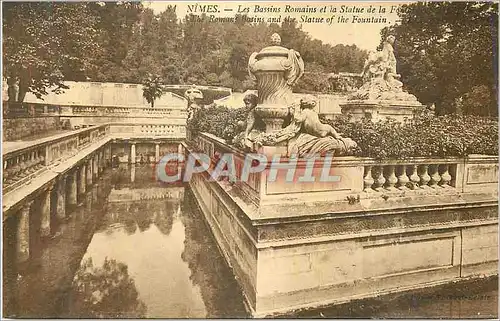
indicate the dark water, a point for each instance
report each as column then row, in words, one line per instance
column 136, row 249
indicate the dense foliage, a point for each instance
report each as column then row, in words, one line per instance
column 125, row 42
column 448, row 54
column 447, row 51
column 218, row 120
column 44, row 43
column 426, row 135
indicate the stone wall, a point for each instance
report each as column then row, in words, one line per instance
column 292, row 250
column 18, row 128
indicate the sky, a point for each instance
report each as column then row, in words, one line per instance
column 364, row 35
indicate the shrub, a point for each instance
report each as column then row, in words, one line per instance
column 218, row 120
column 425, row 136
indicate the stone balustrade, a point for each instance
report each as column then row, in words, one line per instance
column 16, row 109
column 109, row 111
column 362, row 177
column 416, row 174
column 149, row 130
column 13, row 110
column 24, row 160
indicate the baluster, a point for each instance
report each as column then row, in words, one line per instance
column 445, row 176
column 424, row 176
column 41, row 160
column 435, row 177
column 380, row 180
column 414, row 178
column 391, row 179
column 7, row 172
column 368, row 179
column 23, row 166
column 31, row 163
column 403, row 179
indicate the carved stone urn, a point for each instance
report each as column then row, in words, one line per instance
column 276, row 70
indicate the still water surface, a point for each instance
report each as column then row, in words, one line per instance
column 138, row 249
column 152, row 245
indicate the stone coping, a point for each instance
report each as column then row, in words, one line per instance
column 355, row 160
column 382, row 103
column 12, row 199
column 14, row 147
column 70, row 105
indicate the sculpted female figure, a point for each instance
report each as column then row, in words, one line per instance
column 307, row 135
column 389, row 58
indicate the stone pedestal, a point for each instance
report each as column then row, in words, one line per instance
column 377, row 110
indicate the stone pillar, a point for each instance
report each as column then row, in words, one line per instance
column 101, row 161
column 132, row 174
column 45, row 212
column 23, row 233
column 61, row 198
column 107, row 154
column 95, row 169
column 132, row 153
column 89, row 172
column 157, row 152
column 72, row 192
column 83, row 180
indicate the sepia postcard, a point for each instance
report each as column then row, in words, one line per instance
column 251, row 159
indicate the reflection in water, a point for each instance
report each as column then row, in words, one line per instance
column 219, row 289
column 167, row 251
column 104, row 292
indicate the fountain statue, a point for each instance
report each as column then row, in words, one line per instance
column 380, row 78
column 277, row 70
column 381, row 94
column 194, row 97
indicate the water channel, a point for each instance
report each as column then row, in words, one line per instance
column 135, row 248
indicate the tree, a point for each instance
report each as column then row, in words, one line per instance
column 152, row 89
column 116, row 22
column 445, row 49
column 44, row 43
